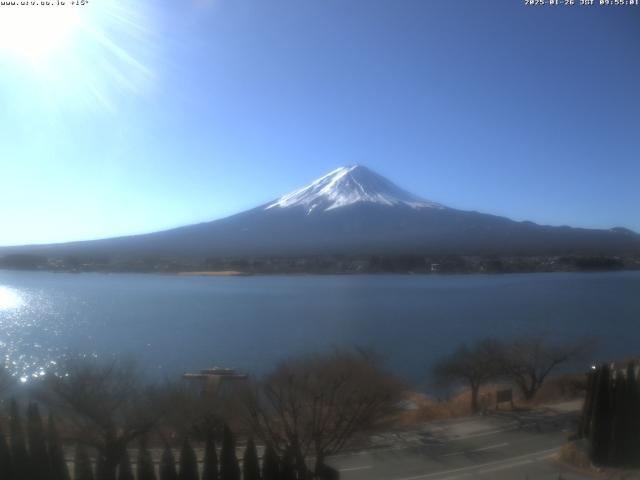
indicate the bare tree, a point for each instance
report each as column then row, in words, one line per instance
column 188, row 411
column 195, row 412
column 528, row 360
column 106, row 403
column 315, row 405
column 472, row 366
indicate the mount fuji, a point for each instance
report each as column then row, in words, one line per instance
column 353, row 211
column 347, row 186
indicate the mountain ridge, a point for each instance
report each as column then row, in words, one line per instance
column 352, row 210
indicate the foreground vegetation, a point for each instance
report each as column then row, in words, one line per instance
column 305, row 410
column 41, row 457
column 525, row 362
column 611, row 415
column 115, row 426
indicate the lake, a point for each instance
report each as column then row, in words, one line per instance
column 173, row 324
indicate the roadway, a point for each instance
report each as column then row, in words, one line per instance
column 498, row 446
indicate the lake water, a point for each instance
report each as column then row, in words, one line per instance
column 173, row 324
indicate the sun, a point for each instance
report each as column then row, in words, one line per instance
column 84, row 55
column 36, row 32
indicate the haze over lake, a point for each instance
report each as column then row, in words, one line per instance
column 173, row 324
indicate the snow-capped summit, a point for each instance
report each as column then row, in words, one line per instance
column 348, row 185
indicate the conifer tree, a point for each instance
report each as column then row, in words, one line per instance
column 38, row 454
column 250, row 465
column 146, row 471
column 188, row 462
column 83, row 469
column 587, row 409
column 287, row 468
column 5, row 458
column 125, row 472
column 270, row 465
column 620, row 421
column 168, row 465
column 600, row 433
column 614, row 426
column 20, row 456
column 210, row 467
column 102, row 472
column 633, row 433
column 58, row 464
column 229, row 468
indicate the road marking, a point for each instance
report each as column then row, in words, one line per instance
column 422, row 445
column 353, row 469
column 484, row 434
column 513, row 426
column 508, row 462
column 490, row 447
column 546, row 457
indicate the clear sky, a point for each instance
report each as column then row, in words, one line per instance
column 125, row 116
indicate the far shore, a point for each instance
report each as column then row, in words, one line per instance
column 221, row 273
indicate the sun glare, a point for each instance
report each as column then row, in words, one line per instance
column 9, row 299
column 88, row 55
column 36, row 32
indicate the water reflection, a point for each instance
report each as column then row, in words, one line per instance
column 10, row 298
column 26, row 333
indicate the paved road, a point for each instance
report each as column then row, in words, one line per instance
column 503, row 446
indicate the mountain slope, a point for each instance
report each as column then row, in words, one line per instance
column 353, row 210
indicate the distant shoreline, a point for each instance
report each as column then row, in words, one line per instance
column 220, row 273
column 418, row 264
column 229, row 274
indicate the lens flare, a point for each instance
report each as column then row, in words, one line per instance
column 78, row 55
column 34, row 32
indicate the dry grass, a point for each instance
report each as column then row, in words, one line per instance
column 556, row 390
column 575, row 455
column 428, row 409
column 561, row 388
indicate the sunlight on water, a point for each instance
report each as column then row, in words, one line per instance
column 9, row 299
column 28, row 325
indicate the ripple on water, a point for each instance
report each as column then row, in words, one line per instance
column 30, row 323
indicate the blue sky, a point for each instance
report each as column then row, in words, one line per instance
column 147, row 115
